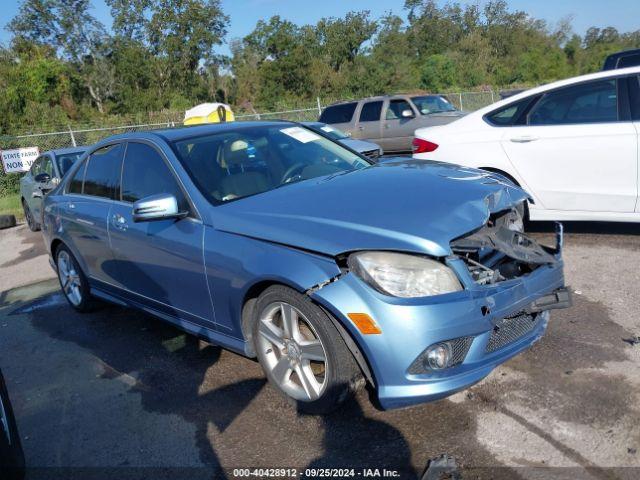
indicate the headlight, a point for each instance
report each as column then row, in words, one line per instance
column 403, row 275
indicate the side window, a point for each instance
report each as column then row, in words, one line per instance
column 35, row 167
column 75, row 184
column 594, row 102
column 634, row 96
column 395, row 109
column 145, row 173
column 103, row 172
column 371, row 112
column 47, row 166
column 508, row 115
column 342, row 113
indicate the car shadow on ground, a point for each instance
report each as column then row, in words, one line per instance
column 176, row 374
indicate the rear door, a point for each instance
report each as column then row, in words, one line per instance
column 368, row 125
column 159, row 264
column 578, row 150
column 633, row 83
column 397, row 129
column 90, row 195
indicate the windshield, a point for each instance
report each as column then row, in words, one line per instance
column 64, row 161
column 332, row 132
column 428, row 104
column 254, row 159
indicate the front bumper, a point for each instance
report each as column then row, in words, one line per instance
column 410, row 325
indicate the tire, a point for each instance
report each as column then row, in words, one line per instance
column 11, row 455
column 73, row 281
column 304, row 358
column 31, row 222
column 7, row 221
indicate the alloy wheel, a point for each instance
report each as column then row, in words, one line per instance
column 69, row 278
column 294, row 354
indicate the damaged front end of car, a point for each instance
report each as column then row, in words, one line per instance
column 501, row 251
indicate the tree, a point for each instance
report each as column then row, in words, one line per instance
column 438, row 73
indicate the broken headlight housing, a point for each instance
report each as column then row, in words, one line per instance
column 404, row 275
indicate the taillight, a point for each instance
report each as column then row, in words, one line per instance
column 422, row 146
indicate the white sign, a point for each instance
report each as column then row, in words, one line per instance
column 301, row 134
column 20, row 159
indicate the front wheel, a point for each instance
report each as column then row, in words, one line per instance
column 31, row 222
column 301, row 352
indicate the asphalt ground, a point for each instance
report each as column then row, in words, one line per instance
column 118, row 394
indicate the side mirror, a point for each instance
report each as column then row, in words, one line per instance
column 407, row 114
column 42, row 178
column 162, row 206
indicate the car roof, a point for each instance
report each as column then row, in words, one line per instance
column 181, row 133
column 388, row 96
column 64, row 151
column 553, row 85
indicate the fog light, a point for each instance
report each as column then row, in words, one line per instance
column 438, row 356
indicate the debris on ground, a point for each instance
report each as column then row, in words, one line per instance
column 633, row 340
column 443, row 467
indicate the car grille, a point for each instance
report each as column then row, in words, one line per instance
column 459, row 349
column 372, row 154
column 510, row 329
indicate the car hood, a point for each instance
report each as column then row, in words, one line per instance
column 359, row 145
column 403, row 205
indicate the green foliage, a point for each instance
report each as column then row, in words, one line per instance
column 438, row 73
column 63, row 66
column 9, row 184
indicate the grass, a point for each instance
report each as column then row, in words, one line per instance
column 10, row 205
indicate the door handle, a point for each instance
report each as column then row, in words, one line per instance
column 524, row 139
column 72, row 206
column 119, row 222
column 361, row 128
column 386, row 125
column 36, row 194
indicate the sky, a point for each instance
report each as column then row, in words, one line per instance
column 621, row 14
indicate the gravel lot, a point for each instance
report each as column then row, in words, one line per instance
column 119, row 390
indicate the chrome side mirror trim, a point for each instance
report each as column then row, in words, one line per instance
column 162, row 206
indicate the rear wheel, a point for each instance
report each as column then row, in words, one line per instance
column 33, row 225
column 73, row 282
column 301, row 352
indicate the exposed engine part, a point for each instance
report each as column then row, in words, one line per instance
column 499, row 251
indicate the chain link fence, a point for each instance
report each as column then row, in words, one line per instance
column 467, row 101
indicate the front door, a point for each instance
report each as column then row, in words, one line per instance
column 576, row 151
column 398, row 126
column 159, row 263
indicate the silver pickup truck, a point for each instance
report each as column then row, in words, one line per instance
column 390, row 120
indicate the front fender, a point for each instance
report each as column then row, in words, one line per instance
column 235, row 264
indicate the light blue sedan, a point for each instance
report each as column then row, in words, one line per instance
column 278, row 243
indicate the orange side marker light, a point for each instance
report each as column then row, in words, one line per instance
column 365, row 323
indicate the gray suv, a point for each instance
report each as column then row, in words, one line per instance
column 44, row 175
column 390, row 120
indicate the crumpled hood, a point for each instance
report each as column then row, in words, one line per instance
column 403, row 205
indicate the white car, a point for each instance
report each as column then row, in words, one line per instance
column 572, row 144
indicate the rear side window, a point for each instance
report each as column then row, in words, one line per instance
column 508, row 115
column 75, row 184
column 145, row 173
column 342, row 113
column 102, row 176
column 593, row 102
column 371, row 112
